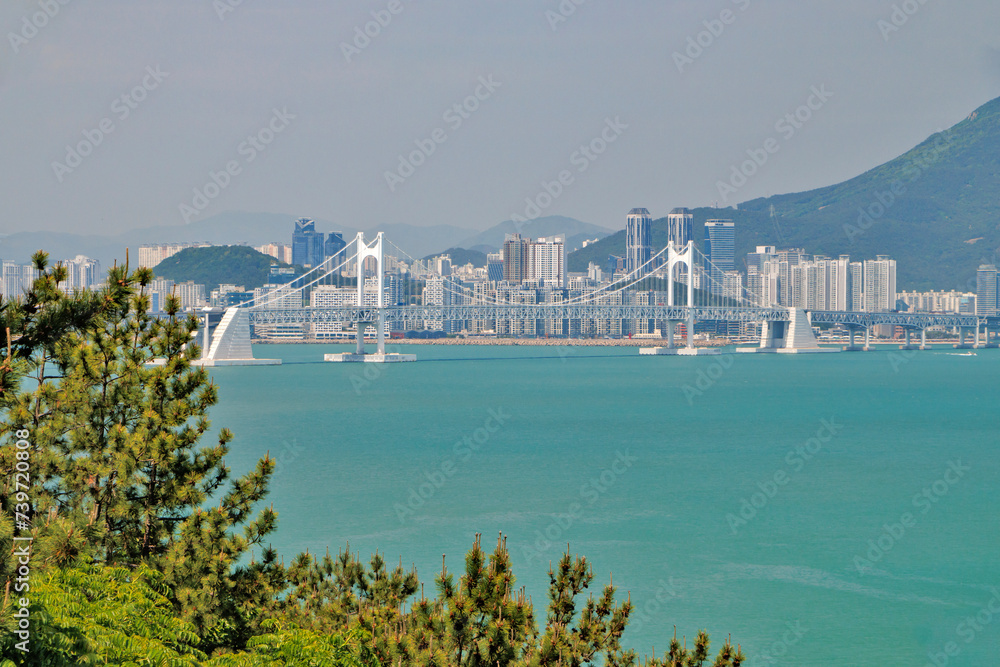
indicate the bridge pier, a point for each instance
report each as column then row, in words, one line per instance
column 962, row 345
column 792, row 337
column 229, row 343
column 380, row 357
column 907, row 345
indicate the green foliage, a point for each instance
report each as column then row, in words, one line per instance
column 118, row 476
column 140, row 537
column 100, row 616
column 216, row 265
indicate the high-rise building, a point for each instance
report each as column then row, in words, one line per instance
column 547, row 260
column 17, row 278
column 281, row 252
column 856, row 287
column 680, row 226
column 151, row 255
column 81, row 273
column 494, row 266
column 952, row 302
column 986, row 290
column 307, row 243
column 515, row 258
column 720, row 244
column 880, row 284
column 638, row 240
column 720, row 248
column 334, row 243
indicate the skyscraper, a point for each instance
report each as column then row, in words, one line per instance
column 547, row 260
column 880, row 284
column 986, row 290
column 307, row 243
column 334, row 244
column 638, row 240
column 720, row 248
column 494, row 267
column 720, row 244
column 515, row 258
column 679, row 226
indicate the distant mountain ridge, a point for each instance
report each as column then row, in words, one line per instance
column 575, row 231
column 229, row 228
column 935, row 210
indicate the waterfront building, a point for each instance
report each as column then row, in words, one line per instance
column 307, row 243
column 81, row 273
column 680, row 226
column 948, row 303
column 856, row 278
column 986, row 290
column 515, row 258
column 720, row 248
column 494, row 266
column 880, row 284
column 547, row 261
column 638, row 240
column 334, row 243
column 17, row 278
column 191, row 295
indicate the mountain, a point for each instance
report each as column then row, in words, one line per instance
column 212, row 266
column 231, row 227
column 576, row 232
column 420, row 241
column 461, row 256
column 935, row 210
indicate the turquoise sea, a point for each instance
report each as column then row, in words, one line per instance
column 869, row 534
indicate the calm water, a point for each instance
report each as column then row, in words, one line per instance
column 611, row 453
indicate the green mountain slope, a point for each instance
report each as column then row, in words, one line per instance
column 235, row 265
column 935, row 209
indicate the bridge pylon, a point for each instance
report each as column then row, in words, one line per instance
column 374, row 250
column 684, row 257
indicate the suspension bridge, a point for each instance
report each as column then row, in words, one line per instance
column 367, row 289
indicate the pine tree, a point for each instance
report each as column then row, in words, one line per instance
column 116, row 412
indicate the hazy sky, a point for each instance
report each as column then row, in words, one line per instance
column 200, row 77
